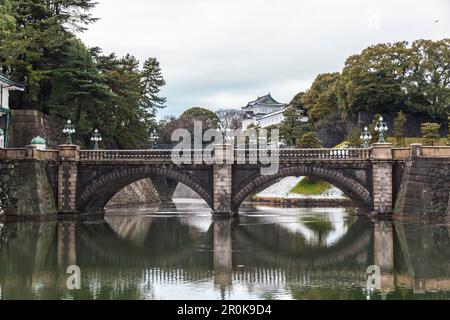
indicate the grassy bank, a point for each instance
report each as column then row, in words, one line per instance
column 311, row 187
column 408, row 142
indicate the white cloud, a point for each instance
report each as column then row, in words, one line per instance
column 226, row 52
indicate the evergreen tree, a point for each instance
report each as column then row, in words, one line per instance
column 386, row 78
column 321, row 99
column 309, row 141
column 7, row 21
column 321, row 102
column 430, row 133
column 153, row 81
column 65, row 78
column 399, row 129
column 80, row 92
column 37, row 48
column 127, row 123
column 292, row 128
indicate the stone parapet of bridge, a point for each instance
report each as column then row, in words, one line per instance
column 284, row 155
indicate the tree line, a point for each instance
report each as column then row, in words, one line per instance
column 399, row 78
column 65, row 78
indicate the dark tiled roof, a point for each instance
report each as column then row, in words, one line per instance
column 264, row 100
column 10, row 82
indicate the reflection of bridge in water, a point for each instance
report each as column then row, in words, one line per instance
column 229, row 252
column 248, row 251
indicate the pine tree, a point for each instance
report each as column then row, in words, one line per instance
column 399, row 129
column 153, row 81
column 127, row 122
column 7, row 21
column 80, row 92
column 292, row 128
column 430, row 133
column 37, row 47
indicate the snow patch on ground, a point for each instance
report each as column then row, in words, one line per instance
column 283, row 189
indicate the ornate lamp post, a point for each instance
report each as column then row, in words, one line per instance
column 366, row 137
column 96, row 138
column 69, row 129
column 381, row 127
column 153, row 136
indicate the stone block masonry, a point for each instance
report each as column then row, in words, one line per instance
column 139, row 193
column 382, row 178
column 28, row 124
column 25, row 189
column 222, row 196
column 425, row 187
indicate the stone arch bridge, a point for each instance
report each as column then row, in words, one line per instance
column 376, row 179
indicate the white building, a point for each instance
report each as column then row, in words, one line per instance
column 6, row 85
column 265, row 112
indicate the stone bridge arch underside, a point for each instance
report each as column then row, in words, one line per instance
column 96, row 186
column 354, row 180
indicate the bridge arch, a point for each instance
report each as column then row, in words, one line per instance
column 96, row 194
column 359, row 194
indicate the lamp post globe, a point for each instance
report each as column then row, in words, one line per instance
column 366, row 136
column 381, row 127
column 68, row 130
column 153, row 137
column 96, row 139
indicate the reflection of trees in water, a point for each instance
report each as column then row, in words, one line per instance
column 321, row 226
column 122, row 258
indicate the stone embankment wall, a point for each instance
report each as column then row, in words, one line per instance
column 26, row 188
column 138, row 193
column 28, row 124
column 306, row 202
column 184, row 192
column 424, row 187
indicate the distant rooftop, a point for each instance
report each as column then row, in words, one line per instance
column 266, row 100
column 11, row 83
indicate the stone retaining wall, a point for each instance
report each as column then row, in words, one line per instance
column 138, row 193
column 425, row 187
column 305, row 202
column 26, row 189
column 28, row 124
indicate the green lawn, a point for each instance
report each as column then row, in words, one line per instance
column 408, row 142
column 311, row 187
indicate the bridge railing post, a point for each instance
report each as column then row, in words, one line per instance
column 382, row 178
column 31, row 152
column 68, row 157
column 416, row 150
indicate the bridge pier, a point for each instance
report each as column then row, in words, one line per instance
column 222, row 180
column 67, row 178
column 382, row 178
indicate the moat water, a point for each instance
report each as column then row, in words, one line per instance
column 179, row 252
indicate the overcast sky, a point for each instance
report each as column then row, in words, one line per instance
column 224, row 53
